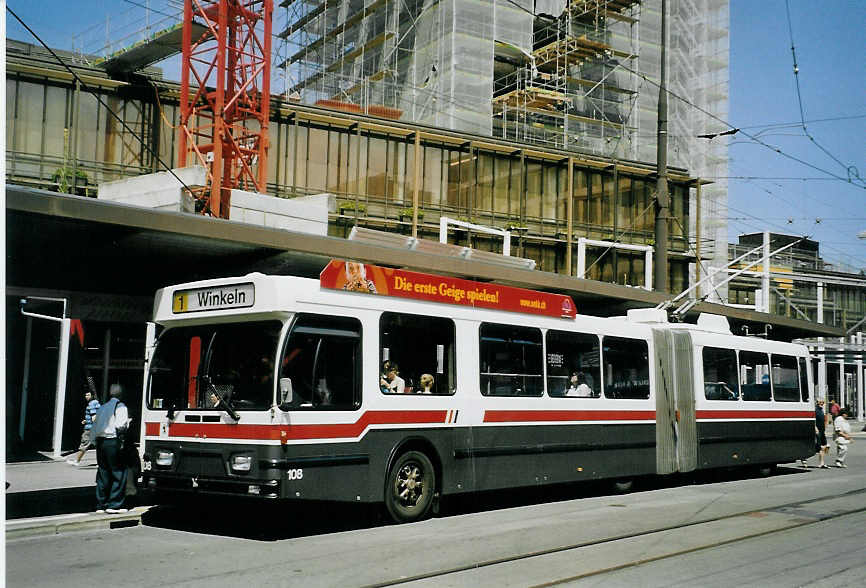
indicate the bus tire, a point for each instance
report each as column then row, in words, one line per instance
column 409, row 487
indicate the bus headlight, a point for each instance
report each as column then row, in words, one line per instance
column 164, row 458
column 241, row 463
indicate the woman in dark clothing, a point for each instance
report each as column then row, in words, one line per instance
column 821, row 445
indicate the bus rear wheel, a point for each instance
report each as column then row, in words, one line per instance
column 409, row 487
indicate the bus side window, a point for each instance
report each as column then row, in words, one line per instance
column 573, row 365
column 626, row 368
column 786, row 383
column 322, row 359
column 720, row 374
column 419, row 346
column 755, row 376
column 512, row 361
column 804, row 379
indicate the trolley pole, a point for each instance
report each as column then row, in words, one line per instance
column 662, row 197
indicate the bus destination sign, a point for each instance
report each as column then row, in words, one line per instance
column 213, row 298
column 372, row 279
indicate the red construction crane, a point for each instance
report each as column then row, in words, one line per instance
column 225, row 97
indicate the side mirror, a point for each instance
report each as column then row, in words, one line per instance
column 285, row 393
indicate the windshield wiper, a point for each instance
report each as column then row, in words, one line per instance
column 221, row 402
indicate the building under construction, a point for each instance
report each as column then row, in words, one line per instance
column 578, row 75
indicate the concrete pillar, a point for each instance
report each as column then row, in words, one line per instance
column 861, row 398
column 843, row 398
column 822, row 371
column 765, row 277
column 820, row 303
column 60, row 399
column 581, row 257
column 25, row 383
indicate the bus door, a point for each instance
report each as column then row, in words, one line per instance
column 676, row 437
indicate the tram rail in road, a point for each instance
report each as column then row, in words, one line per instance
column 597, row 557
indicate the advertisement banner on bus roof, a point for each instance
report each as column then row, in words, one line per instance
column 371, row 279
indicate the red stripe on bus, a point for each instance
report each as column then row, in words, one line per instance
column 755, row 414
column 514, row 416
column 151, row 429
column 296, row 432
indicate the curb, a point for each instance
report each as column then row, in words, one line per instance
column 54, row 525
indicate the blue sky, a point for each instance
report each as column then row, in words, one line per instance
column 830, row 47
column 829, row 41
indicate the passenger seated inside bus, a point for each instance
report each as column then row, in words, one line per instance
column 426, row 382
column 392, row 383
column 578, row 386
column 383, row 376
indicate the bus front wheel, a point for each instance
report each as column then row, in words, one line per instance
column 410, row 486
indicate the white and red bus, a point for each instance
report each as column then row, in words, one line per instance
column 382, row 385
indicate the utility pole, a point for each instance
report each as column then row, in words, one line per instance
column 663, row 200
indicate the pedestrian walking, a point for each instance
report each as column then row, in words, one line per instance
column 821, row 446
column 842, row 435
column 110, row 427
column 90, row 408
column 834, row 410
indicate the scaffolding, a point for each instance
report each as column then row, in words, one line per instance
column 569, row 92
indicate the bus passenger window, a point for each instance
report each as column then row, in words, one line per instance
column 720, row 374
column 413, row 346
column 573, row 365
column 322, row 360
column 786, row 384
column 626, row 368
column 512, row 361
column 754, row 376
column 804, row 379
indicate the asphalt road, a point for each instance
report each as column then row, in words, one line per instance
column 800, row 527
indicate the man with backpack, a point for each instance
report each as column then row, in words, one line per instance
column 110, row 427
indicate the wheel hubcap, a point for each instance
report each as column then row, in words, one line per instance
column 410, row 484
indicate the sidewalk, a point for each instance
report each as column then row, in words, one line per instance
column 51, row 496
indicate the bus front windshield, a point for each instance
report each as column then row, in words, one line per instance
column 222, row 367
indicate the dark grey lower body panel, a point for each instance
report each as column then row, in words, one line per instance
column 466, row 459
column 738, row 443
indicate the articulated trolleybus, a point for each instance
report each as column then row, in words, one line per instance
column 374, row 384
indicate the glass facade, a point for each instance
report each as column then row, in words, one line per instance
column 371, row 168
